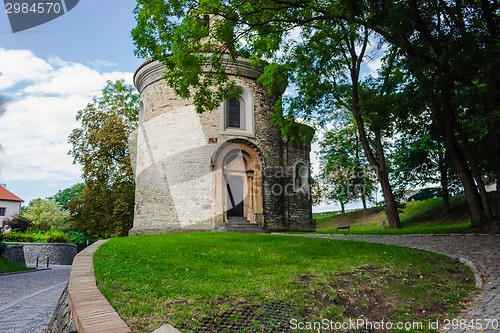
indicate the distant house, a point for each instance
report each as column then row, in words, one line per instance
column 10, row 204
column 491, row 187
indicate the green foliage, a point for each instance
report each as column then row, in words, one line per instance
column 37, row 236
column 63, row 197
column 46, row 214
column 445, row 52
column 100, row 145
column 15, row 236
column 345, row 174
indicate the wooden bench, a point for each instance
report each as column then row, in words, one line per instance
column 344, row 228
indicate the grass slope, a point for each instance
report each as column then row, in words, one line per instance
column 9, row 266
column 229, row 282
column 418, row 217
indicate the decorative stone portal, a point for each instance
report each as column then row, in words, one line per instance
column 238, row 182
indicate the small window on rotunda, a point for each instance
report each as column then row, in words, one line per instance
column 234, row 113
column 237, row 114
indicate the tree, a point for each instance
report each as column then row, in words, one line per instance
column 325, row 66
column 100, row 145
column 345, row 173
column 63, row 197
column 451, row 48
column 46, row 214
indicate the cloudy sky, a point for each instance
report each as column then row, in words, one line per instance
column 47, row 74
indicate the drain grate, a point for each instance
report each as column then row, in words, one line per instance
column 273, row 317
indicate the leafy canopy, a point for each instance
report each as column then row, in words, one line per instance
column 46, row 214
column 100, row 146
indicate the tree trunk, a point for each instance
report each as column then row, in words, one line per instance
column 493, row 133
column 342, row 205
column 478, row 218
column 379, row 168
column 363, row 200
column 475, row 171
column 443, row 170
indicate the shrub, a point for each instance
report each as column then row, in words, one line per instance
column 78, row 238
column 15, row 236
column 35, row 236
column 46, row 214
column 19, row 223
column 55, row 236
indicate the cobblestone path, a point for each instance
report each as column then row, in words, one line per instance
column 481, row 250
column 28, row 300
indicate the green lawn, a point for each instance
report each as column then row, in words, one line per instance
column 229, row 282
column 418, row 217
column 9, row 266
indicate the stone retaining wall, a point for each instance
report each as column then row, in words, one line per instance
column 15, row 254
column 62, row 319
column 58, row 253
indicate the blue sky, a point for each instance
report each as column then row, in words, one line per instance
column 48, row 73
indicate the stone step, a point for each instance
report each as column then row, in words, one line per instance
column 237, row 219
column 243, row 228
column 247, row 231
column 241, row 225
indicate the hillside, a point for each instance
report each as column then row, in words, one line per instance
column 424, row 216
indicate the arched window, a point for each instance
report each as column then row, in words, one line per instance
column 234, row 113
column 237, row 114
column 300, row 177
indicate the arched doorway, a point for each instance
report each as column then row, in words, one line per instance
column 238, row 182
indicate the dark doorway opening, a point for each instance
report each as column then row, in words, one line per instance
column 235, row 195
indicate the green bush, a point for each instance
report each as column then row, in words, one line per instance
column 78, row 238
column 35, row 236
column 55, row 236
column 15, row 236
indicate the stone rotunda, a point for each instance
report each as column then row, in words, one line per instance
column 197, row 172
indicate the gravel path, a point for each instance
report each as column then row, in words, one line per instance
column 483, row 313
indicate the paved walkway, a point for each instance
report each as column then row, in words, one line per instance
column 481, row 250
column 28, row 300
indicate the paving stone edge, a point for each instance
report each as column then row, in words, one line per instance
column 91, row 311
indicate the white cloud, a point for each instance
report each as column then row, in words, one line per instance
column 35, row 127
column 73, row 78
column 102, row 63
column 21, row 65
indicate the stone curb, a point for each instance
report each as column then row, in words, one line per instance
column 29, row 271
column 91, row 311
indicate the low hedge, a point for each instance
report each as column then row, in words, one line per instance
column 51, row 236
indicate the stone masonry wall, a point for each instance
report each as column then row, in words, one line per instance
column 14, row 253
column 174, row 182
column 62, row 319
column 58, row 253
column 298, row 205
